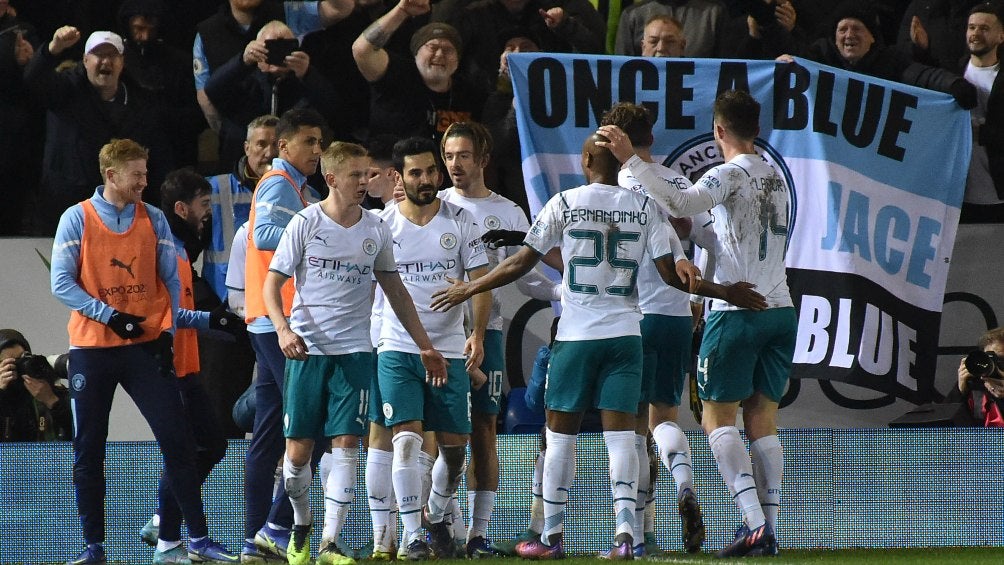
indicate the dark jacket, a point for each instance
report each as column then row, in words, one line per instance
column 79, row 123
column 24, row 419
column 222, row 37
column 889, row 63
column 167, row 73
column 991, row 134
column 582, row 31
column 242, row 92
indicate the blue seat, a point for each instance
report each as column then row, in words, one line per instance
column 519, row 419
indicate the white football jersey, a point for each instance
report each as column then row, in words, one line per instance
column 332, row 269
column 751, row 221
column 604, row 232
column 654, row 295
column 448, row 246
column 493, row 212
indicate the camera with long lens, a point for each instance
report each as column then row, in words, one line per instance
column 980, row 364
column 36, row 367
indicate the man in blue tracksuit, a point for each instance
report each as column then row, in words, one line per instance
column 114, row 266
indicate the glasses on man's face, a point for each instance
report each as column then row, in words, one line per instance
column 444, row 49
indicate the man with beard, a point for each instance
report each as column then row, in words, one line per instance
column 434, row 241
column 597, row 354
column 185, row 202
column 984, row 199
column 420, row 97
column 331, row 250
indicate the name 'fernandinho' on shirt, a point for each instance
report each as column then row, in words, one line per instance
column 598, row 215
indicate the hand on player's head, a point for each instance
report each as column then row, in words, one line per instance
column 619, row 144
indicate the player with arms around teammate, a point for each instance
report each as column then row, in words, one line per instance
column 604, row 232
column 465, row 149
column 433, row 240
column 746, row 356
column 332, row 250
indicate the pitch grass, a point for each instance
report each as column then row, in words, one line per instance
column 911, row 556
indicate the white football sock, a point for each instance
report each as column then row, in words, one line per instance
column 737, row 470
column 558, row 475
column 298, row 489
column 674, row 450
column 536, row 496
column 456, row 518
column 641, row 452
column 425, row 464
column 341, row 490
column 408, row 482
column 623, row 478
column 446, row 475
column 481, row 504
column 380, row 493
column 768, row 470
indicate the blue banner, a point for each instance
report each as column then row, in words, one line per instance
column 876, row 171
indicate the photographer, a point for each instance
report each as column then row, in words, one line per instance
column 32, row 406
column 981, row 380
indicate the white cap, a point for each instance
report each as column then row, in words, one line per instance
column 100, row 38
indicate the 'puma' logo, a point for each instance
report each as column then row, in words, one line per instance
column 123, row 266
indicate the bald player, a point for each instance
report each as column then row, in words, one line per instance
column 604, row 233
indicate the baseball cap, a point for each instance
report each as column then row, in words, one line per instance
column 435, row 30
column 100, row 38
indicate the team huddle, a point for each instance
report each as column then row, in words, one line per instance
column 385, row 325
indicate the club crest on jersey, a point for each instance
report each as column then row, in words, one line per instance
column 448, row 240
column 697, row 155
column 388, row 410
column 369, row 246
column 493, row 223
column 78, row 382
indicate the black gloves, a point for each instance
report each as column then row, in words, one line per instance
column 223, row 320
column 964, row 93
column 162, row 350
column 125, row 325
column 503, row 238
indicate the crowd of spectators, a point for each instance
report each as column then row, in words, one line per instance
column 74, row 75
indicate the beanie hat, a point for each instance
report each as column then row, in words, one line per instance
column 860, row 11
column 435, row 30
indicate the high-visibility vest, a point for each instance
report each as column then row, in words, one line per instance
column 256, row 261
column 120, row 269
column 186, row 340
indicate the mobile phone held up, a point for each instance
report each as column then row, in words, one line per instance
column 279, row 49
